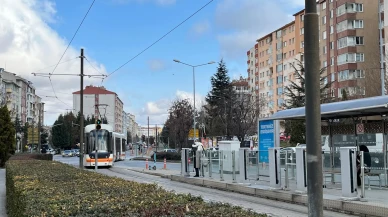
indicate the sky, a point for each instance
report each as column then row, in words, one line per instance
column 35, row 33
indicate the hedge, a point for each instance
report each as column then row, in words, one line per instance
column 168, row 156
column 43, row 188
column 32, row 156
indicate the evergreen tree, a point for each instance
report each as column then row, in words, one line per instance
column 7, row 138
column 296, row 97
column 219, row 101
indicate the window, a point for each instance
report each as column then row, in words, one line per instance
column 285, row 44
column 323, row 5
column 332, row 61
column 351, row 75
column 350, row 58
column 331, row 29
column 280, row 79
column 280, row 102
column 301, row 31
column 358, row 24
column 350, row 41
column 302, row 17
column 349, row 8
column 324, row 35
column 324, row 20
column 280, row 91
column 279, row 68
column 302, row 44
column 332, row 76
column 324, row 49
column 331, row 45
column 331, row 14
column 285, row 67
column 358, row 7
column 324, row 63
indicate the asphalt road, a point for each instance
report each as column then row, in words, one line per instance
column 260, row 205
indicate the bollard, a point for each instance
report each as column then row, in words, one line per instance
column 362, row 175
column 147, row 163
column 234, row 166
column 164, row 164
column 210, row 164
column 221, row 156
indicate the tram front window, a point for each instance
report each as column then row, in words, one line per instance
column 100, row 139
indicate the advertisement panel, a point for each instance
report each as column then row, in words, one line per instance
column 266, row 139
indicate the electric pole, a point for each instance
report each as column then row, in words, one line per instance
column 148, row 128
column 156, row 137
column 313, row 111
column 81, row 124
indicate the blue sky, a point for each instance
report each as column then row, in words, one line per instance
column 117, row 30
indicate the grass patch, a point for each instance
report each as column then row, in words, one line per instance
column 49, row 188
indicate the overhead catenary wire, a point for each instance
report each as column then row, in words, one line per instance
column 79, row 26
column 130, row 60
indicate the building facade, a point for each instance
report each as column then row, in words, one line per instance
column 109, row 105
column 240, row 86
column 20, row 98
column 349, row 53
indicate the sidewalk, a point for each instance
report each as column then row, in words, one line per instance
column 3, row 211
column 375, row 203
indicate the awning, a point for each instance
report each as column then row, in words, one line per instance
column 351, row 108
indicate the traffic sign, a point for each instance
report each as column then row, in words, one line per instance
column 191, row 133
column 360, row 128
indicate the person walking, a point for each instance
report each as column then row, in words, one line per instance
column 367, row 162
column 197, row 146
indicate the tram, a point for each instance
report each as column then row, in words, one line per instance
column 110, row 145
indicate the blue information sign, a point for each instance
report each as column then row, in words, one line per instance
column 266, row 139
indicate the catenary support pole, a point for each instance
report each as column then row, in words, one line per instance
column 194, row 101
column 81, row 124
column 313, row 119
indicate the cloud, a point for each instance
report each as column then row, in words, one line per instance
column 156, row 65
column 28, row 44
column 201, row 28
column 242, row 22
column 159, row 2
column 157, row 111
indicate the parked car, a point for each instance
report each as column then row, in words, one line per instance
column 67, row 153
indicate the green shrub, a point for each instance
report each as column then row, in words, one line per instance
column 168, row 155
column 32, row 156
column 48, row 188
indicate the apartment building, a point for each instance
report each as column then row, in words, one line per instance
column 19, row 96
column 349, row 53
column 240, row 86
column 110, row 107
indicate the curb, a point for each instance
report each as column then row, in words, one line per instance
column 341, row 206
column 328, row 204
column 149, row 173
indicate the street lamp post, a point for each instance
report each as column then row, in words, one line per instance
column 211, row 62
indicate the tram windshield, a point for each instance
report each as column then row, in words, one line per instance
column 99, row 138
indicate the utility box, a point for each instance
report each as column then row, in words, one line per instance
column 227, row 147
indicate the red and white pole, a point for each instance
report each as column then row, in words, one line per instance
column 164, row 164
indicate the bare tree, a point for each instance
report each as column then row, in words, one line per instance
column 179, row 122
column 245, row 111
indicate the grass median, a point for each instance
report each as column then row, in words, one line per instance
column 49, row 188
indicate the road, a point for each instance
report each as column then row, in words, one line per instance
column 260, row 205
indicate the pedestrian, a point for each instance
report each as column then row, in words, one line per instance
column 367, row 163
column 197, row 146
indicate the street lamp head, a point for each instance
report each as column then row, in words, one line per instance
column 212, row 62
column 175, row 60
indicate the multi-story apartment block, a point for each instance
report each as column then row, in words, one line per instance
column 110, row 105
column 349, row 53
column 20, row 97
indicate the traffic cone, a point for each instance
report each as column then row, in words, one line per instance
column 147, row 163
column 164, row 164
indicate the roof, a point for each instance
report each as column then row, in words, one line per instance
column 351, row 108
column 95, row 90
